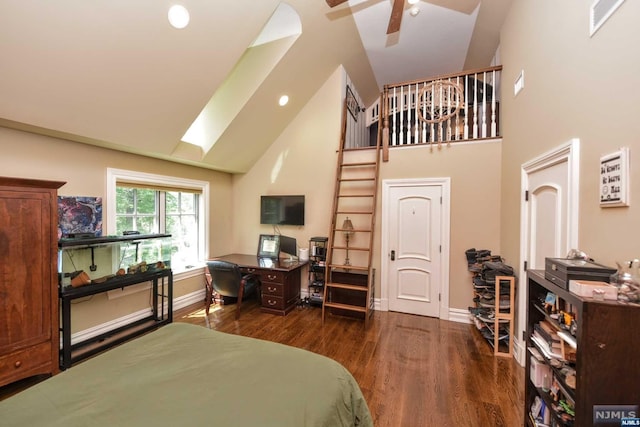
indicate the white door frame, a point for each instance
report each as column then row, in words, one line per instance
column 445, row 184
column 570, row 153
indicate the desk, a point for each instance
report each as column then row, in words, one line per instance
column 280, row 281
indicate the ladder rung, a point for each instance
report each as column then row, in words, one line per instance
column 349, row 267
column 356, row 179
column 359, row 164
column 367, row 148
column 346, row 307
column 355, row 230
column 351, row 248
column 362, row 288
column 355, row 212
column 355, row 195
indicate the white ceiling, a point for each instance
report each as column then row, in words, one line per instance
column 113, row 73
column 433, row 42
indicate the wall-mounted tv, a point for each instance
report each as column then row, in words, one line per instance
column 282, row 210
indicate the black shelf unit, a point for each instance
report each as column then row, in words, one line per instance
column 160, row 278
column 317, row 269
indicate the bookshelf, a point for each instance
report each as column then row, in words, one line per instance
column 589, row 357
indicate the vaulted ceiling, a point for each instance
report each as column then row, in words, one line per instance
column 114, row 73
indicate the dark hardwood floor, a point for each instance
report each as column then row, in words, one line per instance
column 413, row 371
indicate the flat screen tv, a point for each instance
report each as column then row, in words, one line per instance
column 282, row 210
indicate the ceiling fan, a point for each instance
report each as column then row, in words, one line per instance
column 394, row 20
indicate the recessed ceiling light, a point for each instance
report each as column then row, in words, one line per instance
column 413, row 1
column 284, row 99
column 414, row 11
column 178, row 16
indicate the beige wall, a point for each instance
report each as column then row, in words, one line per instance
column 83, row 167
column 474, row 170
column 575, row 87
column 303, row 161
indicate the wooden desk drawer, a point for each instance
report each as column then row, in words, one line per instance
column 273, row 289
column 25, row 360
column 272, row 276
column 270, row 301
column 250, row 270
column 265, row 275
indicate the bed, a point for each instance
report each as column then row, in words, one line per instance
column 188, row 375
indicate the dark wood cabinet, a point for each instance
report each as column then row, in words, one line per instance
column 606, row 355
column 280, row 288
column 29, row 338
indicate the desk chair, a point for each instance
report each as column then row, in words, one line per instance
column 227, row 280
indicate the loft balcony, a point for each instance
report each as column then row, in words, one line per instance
column 463, row 107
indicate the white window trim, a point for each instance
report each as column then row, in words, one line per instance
column 109, row 211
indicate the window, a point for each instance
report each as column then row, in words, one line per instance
column 159, row 204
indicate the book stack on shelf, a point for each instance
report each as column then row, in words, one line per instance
column 552, row 363
column 493, row 285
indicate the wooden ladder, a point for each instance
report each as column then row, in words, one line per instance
column 349, row 284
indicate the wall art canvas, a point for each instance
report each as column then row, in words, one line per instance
column 79, row 215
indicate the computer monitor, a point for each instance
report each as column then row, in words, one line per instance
column 288, row 245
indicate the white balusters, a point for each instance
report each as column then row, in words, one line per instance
column 456, row 125
column 401, row 124
column 484, row 105
column 475, row 105
column 394, row 111
column 416, row 105
column 424, row 124
column 449, row 106
column 409, row 107
column 466, row 111
column 441, row 107
column 494, row 127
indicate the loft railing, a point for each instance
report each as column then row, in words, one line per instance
column 443, row 109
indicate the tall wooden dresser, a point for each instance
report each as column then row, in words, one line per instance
column 29, row 336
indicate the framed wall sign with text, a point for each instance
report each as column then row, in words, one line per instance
column 614, row 179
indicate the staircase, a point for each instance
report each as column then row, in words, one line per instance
column 349, row 278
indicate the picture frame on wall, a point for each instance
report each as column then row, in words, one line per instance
column 79, row 215
column 614, row 179
column 352, row 104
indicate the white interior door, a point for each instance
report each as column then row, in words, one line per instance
column 414, row 232
column 549, row 215
column 546, row 208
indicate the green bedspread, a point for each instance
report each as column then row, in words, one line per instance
column 186, row 375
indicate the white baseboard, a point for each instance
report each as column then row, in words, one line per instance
column 459, row 315
column 178, row 303
column 189, row 299
column 519, row 352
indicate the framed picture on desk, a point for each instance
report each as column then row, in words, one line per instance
column 269, row 246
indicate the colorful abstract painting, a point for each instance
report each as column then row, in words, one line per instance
column 79, row 215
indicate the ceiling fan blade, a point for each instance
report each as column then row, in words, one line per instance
column 396, row 16
column 333, row 3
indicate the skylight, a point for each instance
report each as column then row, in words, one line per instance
column 273, row 42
